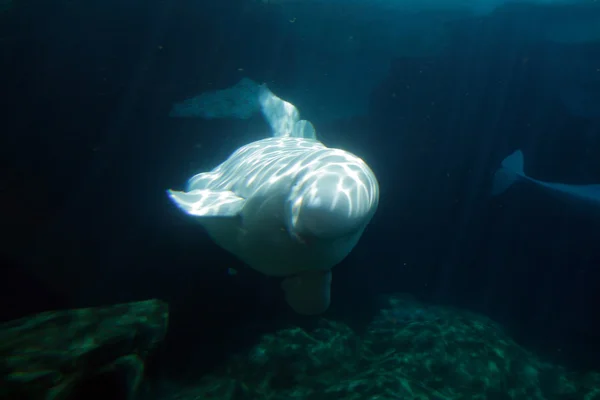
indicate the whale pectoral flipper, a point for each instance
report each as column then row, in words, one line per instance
column 208, row 203
column 308, row 292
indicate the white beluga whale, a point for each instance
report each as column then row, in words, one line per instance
column 287, row 205
column 512, row 171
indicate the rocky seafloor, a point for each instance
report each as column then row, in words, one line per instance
column 80, row 354
column 411, row 351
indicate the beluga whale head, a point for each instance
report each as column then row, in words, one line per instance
column 334, row 198
column 286, row 205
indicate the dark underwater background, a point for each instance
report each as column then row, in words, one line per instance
column 88, row 150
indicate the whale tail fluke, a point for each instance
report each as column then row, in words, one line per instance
column 509, row 172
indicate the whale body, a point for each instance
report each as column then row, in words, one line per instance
column 286, row 205
column 511, row 171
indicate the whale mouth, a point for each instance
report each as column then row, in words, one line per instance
column 309, row 292
column 328, row 225
column 304, row 240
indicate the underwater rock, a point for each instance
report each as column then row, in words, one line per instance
column 411, row 350
column 80, row 354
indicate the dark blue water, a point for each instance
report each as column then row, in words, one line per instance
column 88, row 149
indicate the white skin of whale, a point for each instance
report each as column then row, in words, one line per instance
column 286, row 205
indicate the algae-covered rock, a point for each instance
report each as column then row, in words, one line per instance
column 411, row 351
column 454, row 354
column 53, row 354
